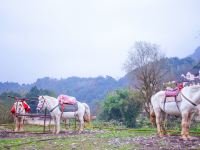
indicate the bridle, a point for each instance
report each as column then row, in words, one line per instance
column 46, row 103
column 42, row 103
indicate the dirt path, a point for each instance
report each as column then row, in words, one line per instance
column 164, row 143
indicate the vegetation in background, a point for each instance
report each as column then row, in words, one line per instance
column 150, row 67
column 122, row 106
column 35, row 92
column 6, row 102
column 5, row 106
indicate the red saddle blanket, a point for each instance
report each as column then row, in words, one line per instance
column 171, row 92
column 65, row 99
column 25, row 105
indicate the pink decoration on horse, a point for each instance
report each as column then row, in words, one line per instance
column 172, row 92
column 65, row 99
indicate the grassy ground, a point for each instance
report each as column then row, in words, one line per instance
column 92, row 139
column 95, row 141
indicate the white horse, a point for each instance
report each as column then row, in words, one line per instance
column 190, row 98
column 52, row 104
column 19, row 120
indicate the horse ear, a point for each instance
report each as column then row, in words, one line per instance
column 39, row 97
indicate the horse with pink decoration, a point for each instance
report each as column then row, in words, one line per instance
column 56, row 106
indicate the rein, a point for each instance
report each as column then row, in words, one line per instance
column 188, row 99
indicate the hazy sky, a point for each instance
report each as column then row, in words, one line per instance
column 88, row 38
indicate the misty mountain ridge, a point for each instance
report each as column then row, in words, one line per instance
column 96, row 88
column 196, row 55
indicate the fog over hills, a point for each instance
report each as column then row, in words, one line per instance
column 96, row 88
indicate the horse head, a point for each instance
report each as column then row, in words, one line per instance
column 19, row 107
column 42, row 103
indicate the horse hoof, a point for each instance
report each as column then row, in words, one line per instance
column 184, row 138
column 79, row 132
column 189, row 137
column 160, row 135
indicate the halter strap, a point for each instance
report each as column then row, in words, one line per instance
column 188, row 99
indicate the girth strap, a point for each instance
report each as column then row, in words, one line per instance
column 175, row 101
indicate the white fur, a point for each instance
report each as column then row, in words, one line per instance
column 19, row 120
column 186, row 108
column 50, row 102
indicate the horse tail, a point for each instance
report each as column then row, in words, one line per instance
column 87, row 112
column 152, row 114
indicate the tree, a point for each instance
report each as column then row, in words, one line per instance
column 148, row 64
column 5, row 106
column 123, row 106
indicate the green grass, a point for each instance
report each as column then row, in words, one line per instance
column 78, row 141
column 111, row 137
column 82, row 141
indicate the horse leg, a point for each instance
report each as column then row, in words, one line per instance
column 158, row 122
column 16, row 125
column 185, row 126
column 188, row 127
column 163, row 117
column 81, row 124
column 67, row 124
column 21, row 128
column 54, row 127
column 57, row 124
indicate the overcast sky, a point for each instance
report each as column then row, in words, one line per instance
column 88, row 38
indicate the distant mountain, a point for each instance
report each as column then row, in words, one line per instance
column 179, row 66
column 196, row 55
column 91, row 89
column 84, row 89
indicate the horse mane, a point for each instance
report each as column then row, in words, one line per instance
column 195, row 86
column 49, row 97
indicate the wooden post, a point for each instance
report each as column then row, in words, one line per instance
column 45, row 113
column 75, row 122
column 49, row 123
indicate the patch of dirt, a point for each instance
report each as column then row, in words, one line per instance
column 8, row 134
column 155, row 142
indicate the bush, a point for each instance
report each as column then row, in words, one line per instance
column 5, row 116
column 122, row 106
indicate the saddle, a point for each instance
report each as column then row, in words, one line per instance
column 172, row 95
column 68, row 107
column 67, row 103
column 169, row 92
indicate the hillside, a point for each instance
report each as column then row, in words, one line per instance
column 196, row 55
column 84, row 89
column 91, row 89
